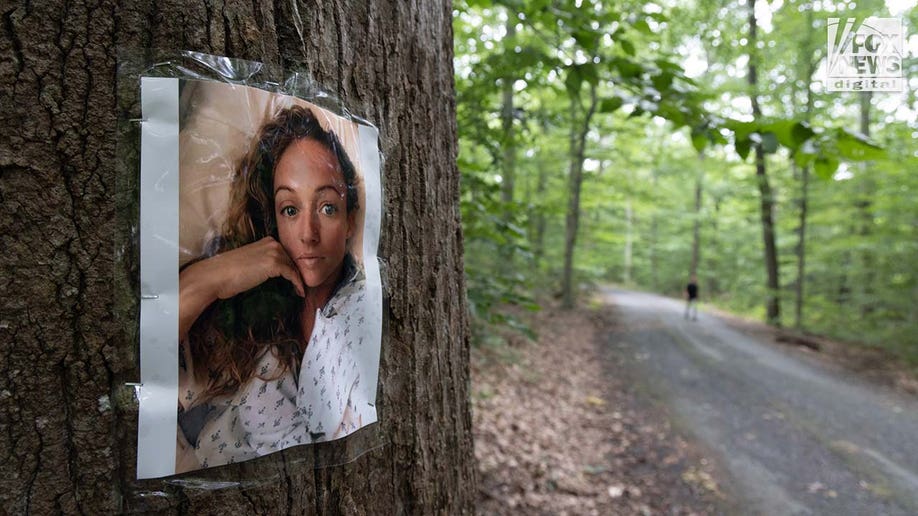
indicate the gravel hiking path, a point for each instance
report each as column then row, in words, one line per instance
column 795, row 434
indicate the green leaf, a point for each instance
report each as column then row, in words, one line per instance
column 741, row 130
column 610, row 105
column 577, row 74
column 587, row 39
column 806, row 153
column 662, row 81
column 627, row 68
column 573, row 81
column 588, row 70
column 699, row 140
column 856, row 146
column 717, row 137
column 788, row 133
column 825, row 166
column 769, row 143
column 801, row 132
column 627, row 46
column 672, row 113
column 782, row 130
column 742, row 147
column 668, row 66
column 642, row 26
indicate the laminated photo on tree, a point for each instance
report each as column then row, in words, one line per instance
column 279, row 296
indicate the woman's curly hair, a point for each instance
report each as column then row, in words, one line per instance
column 229, row 338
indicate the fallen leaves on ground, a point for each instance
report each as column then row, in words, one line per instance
column 558, row 431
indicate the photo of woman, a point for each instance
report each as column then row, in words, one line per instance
column 276, row 339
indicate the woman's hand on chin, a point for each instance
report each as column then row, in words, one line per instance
column 246, row 267
column 230, row 273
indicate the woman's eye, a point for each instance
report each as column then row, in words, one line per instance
column 288, row 211
column 328, row 209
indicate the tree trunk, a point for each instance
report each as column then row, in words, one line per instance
column 865, row 292
column 508, row 148
column 626, row 270
column 537, row 215
column 713, row 284
column 69, row 268
column 508, row 164
column 772, row 303
column 654, row 237
column 696, row 229
column 578, row 148
column 654, row 217
column 800, row 285
column 801, row 246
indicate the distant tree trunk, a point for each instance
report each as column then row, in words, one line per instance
column 508, row 147
column 696, row 229
column 856, row 276
column 801, row 247
column 806, row 54
column 864, row 99
column 867, row 185
column 538, row 216
column 713, row 284
column 654, row 227
column 69, row 287
column 654, row 218
column 772, row 304
column 629, row 215
column 577, row 155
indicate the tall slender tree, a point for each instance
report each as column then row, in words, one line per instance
column 864, row 205
column 807, row 60
column 581, row 115
column 508, row 147
column 766, row 200
column 696, row 217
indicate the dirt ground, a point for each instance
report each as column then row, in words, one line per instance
column 558, row 430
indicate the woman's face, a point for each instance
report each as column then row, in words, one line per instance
column 311, row 210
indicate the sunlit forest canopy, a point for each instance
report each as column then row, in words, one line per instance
column 641, row 143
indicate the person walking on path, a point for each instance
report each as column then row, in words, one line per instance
column 691, row 297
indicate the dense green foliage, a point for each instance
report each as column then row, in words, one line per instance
column 658, row 95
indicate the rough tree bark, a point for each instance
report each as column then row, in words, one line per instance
column 68, row 329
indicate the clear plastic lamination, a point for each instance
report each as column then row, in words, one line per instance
column 261, row 301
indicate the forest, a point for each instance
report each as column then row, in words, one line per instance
column 641, row 143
